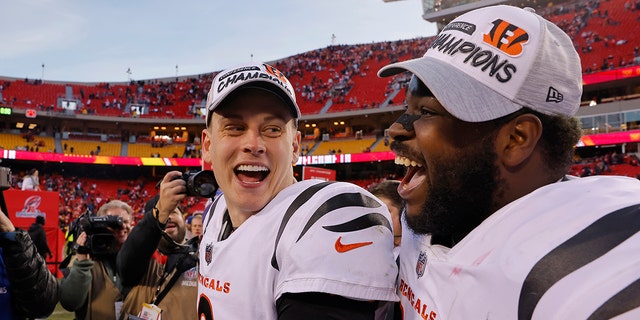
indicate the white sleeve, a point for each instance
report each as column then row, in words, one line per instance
column 339, row 242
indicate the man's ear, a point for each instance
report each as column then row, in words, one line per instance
column 296, row 147
column 206, row 145
column 518, row 139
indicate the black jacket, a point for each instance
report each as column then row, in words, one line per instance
column 34, row 289
column 134, row 256
column 39, row 237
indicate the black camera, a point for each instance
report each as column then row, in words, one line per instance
column 200, row 183
column 100, row 239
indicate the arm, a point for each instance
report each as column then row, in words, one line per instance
column 133, row 257
column 74, row 289
column 355, row 231
column 30, row 278
column 316, row 305
column 136, row 252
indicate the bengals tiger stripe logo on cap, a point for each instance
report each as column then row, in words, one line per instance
column 507, row 37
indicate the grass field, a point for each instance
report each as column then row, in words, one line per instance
column 61, row 314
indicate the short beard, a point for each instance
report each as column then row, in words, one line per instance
column 165, row 246
column 463, row 197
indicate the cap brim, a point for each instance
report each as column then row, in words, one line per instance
column 268, row 86
column 461, row 95
column 262, row 85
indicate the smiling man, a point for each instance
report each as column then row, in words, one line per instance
column 496, row 230
column 275, row 248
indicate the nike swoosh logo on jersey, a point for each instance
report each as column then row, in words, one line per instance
column 342, row 248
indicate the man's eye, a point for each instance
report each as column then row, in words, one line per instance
column 426, row 112
column 272, row 132
column 234, row 129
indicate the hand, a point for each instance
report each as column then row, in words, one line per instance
column 5, row 223
column 81, row 241
column 172, row 191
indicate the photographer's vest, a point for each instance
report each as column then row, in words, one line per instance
column 180, row 300
column 103, row 294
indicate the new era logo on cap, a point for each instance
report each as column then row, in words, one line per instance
column 554, row 95
column 258, row 75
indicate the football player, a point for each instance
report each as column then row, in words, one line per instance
column 273, row 247
column 494, row 227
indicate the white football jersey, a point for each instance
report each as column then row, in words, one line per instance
column 314, row 236
column 569, row 250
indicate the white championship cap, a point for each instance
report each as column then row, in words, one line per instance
column 254, row 75
column 491, row 62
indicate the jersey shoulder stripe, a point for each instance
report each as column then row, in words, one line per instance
column 344, row 200
column 625, row 300
column 299, row 201
column 347, row 197
column 578, row 251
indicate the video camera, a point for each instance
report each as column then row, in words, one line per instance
column 100, row 237
column 200, row 183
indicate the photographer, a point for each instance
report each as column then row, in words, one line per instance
column 27, row 287
column 91, row 287
column 163, row 281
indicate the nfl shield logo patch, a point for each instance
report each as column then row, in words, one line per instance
column 422, row 264
column 208, row 253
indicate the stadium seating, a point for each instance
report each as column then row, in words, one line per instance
column 338, row 78
column 87, row 147
column 344, row 146
column 37, row 143
column 604, row 32
column 147, row 150
column 328, row 80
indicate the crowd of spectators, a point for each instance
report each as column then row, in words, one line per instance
column 607, row 164
column 327, row 76
column 79, row 196
column 330, row 73
column 598, row 32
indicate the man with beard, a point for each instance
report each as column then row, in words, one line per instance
column 163, row 280
column 496, row 230
column 91, row 286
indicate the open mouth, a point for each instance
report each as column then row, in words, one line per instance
column 415, row 174
column 251, row 173
column 170, row 225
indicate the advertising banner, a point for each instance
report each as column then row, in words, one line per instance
column 25, row 206
column 318, row 173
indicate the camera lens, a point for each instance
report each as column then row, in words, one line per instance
column 203, row 184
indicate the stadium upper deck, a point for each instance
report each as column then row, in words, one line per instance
column 338, row 90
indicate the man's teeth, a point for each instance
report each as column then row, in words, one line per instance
column 406, row 162
column 246, row 167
